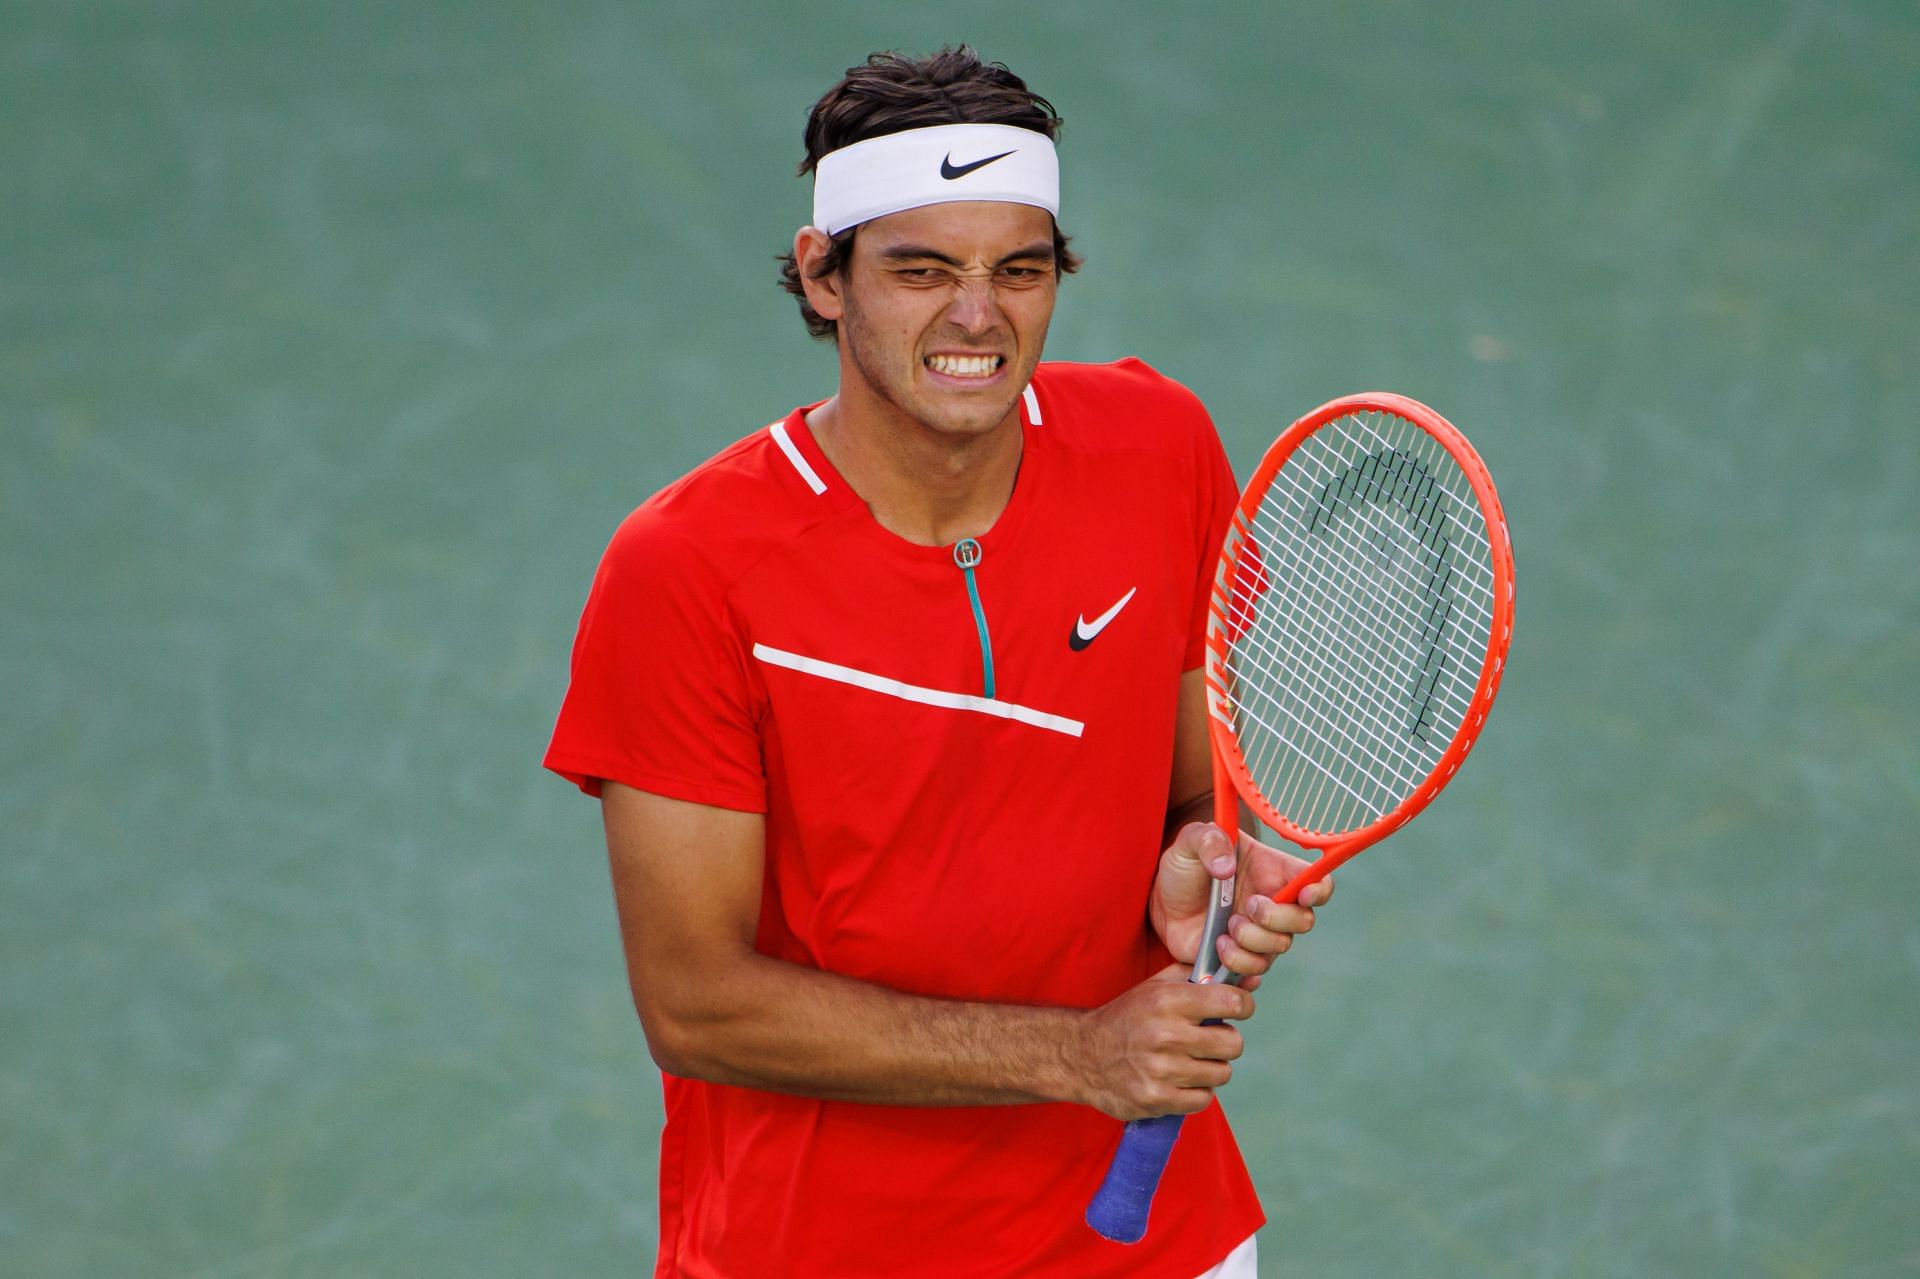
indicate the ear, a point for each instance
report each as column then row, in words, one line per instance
column 810, row 244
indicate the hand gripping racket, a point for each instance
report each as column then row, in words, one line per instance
column 1358, row 630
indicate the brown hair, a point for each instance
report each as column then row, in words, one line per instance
column 889, row 94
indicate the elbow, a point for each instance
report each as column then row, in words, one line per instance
column 684, row 1041
column 699, row 1019
column 669, row 1042
column 671, row 1055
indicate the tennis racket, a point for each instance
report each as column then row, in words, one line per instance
column 1358, row 630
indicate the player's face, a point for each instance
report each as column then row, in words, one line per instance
column 946, row 308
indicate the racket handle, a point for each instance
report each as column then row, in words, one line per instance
column 1119, row 1208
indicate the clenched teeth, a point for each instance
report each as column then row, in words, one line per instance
column 964, row 365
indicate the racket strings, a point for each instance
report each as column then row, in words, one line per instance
column 1401, row 634
column 1392, row 763
column 1434, row 455
column 1343, row 679
column 1411, row 625
column 1386, row 763
column 1382, row 760
column 1409, row 636
column 1416, row 632
column 1361, row 606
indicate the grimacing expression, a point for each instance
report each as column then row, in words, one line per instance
column 947, row 307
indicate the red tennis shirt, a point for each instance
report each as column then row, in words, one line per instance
column 755, row 640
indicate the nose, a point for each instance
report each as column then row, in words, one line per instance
column 974, row 308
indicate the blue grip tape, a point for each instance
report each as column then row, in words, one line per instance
column 1119, row 1208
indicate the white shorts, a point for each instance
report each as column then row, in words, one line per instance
column 1242, row 1263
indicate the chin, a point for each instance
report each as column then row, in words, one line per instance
column 973, row 422
column 975, row 413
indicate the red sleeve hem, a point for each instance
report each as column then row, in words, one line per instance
column 588, row 773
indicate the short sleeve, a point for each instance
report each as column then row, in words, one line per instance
column 1217, row 495
column 661, row 697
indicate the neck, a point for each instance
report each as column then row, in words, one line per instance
column 929, row 487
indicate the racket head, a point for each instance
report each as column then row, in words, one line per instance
column 1360, row 620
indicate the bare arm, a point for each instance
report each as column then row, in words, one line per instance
column 1190, row 796
column 687, row 882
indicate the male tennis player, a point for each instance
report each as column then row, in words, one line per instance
column 891, row 707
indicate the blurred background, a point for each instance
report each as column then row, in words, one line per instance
column 336, row 339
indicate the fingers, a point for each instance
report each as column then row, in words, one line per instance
column 1206, row 845
column 1192, row 1003
column 1198, row 856
column 1262, row 931
column 1216, row 1001
column 1182, row 1070
column 1211, row 1046
column 1152, row 1051
column 1180, row 1101
column 1269, row 870
column 1215, row 850
column 1187, row 1096
column 1267, row 926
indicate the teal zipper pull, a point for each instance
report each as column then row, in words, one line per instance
column 966, row 556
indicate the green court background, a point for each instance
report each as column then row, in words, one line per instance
column 335, row 339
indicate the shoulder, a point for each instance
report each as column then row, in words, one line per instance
column 713, row 524
column 1127, row 425
column 1125, row 404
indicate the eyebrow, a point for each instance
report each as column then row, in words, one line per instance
column 906, row 252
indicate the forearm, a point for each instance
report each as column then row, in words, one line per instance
column 762, row 1023
column 716, row 1009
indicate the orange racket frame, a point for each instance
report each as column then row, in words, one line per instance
column 1232, row 781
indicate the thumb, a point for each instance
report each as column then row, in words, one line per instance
column 1199, row 854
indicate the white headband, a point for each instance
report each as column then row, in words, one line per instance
column 948, row 162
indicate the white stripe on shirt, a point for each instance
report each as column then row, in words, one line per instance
column 915, row 693
column 800, row 464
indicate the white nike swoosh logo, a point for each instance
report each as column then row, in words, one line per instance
column 1085, row 631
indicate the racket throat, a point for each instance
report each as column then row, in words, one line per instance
column 967, row 554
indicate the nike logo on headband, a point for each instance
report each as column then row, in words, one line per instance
column 949, row 170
